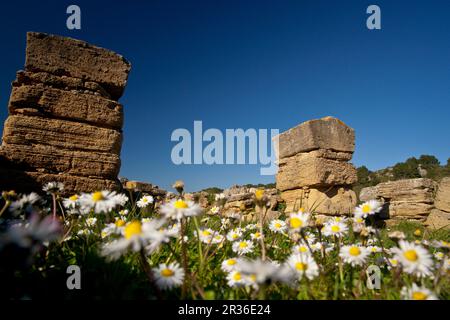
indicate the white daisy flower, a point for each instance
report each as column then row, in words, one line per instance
column 251, row 226
column 54, row 187
column 303, row 265
column 258, row 271
column 337, row 229
column 298, row 220
column 229, row 265
column 243, row 247
column 214, row 210
column 168, row 276
column 234, row 234
column 374, row 249
column 277, row 226
column 301, row 248
column 91, row 222
column 414, row 258
column 25, row 203
column 256, row 236
column 144, row 201
column 100, row 201
column 124, row 212
column 178, row 209
column 206, row 235
column 135, row 237
column 71, row 202
column 368, row 208
column 235, row 279
column 439, row 255
column 354, row 254
column 218, row 238
column 84, row 232
column 417, row 293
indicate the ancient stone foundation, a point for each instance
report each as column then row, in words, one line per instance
column 314, row 173
column 422, row 200
column 64, row 122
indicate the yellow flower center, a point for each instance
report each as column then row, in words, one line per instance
column 97, row 196
column 144, row 200
column 354, row 251
column 259, row 194
column 417, row 295
column 243, row 245
column 300, row 266
column 335, row 228
column 234, row 236
column 365, row 208
column 180, row 204
column 231, row 262
column 257, row 234
column 296, row 223
column 411, row 255
column 302, row 249
column 167, row 273
column 253, row 277
column 206, row 233
column 237, row 276
column 359, row 220
column 74, row 197
column 120, row 223
column 133, row 229
column 278, row 225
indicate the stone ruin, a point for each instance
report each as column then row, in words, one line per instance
column 314, row 172
column 64, row 122
column 422, row 200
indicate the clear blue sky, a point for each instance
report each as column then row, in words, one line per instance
column 259, row 64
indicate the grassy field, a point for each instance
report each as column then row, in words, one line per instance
column 175, row 250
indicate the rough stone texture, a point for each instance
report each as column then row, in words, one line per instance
column 60, row 133
column 313, row 167
column 56, row 103
column 56, row 160
column 438, row 219
column 442, row 201
column 64, row 120
column 33, row 181
column 326, row 133
column 59, row 82
column 337, row 200
column 78, row 59
column 368, row 193
column 410, row 199
column 304, row 169
column 409, row 190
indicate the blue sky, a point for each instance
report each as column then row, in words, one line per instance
column 259, row 64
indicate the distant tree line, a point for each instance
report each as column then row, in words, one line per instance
column 426, row 166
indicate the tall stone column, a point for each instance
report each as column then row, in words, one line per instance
column 314, row 172
column 64, row 122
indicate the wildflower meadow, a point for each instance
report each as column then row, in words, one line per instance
column 133, row 246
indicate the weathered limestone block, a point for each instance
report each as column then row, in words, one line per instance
column 326, row 133
column 409, row 209
column 60, row 82
column 337, row 200
column 438, row 219
column 60, row 133
column 368, row 193
column 442, row 201
column 306, row 170
column 408, row 190
column 56, row 160
column 55, row 103
column 78, row 59
column 24, row 181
